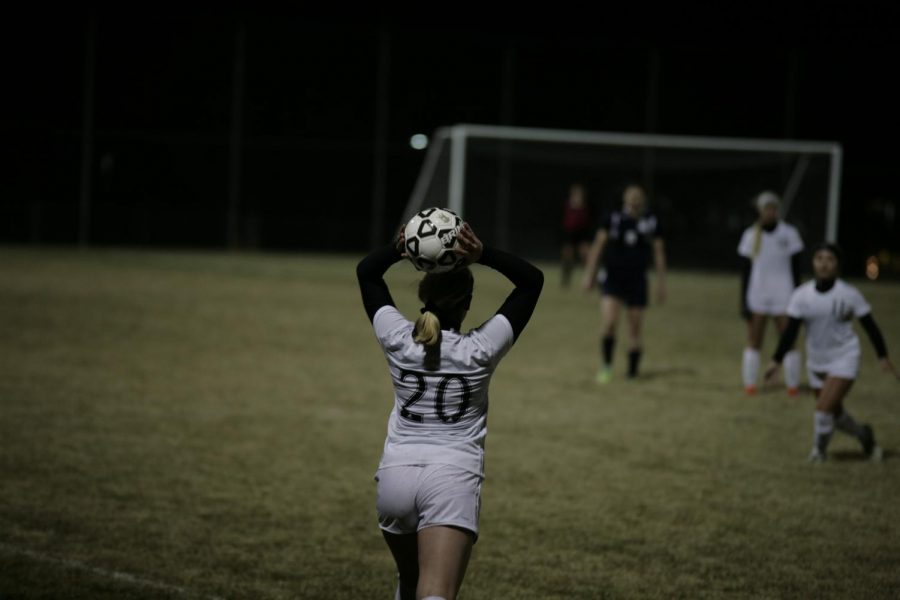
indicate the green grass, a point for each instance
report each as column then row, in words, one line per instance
column 212, row 422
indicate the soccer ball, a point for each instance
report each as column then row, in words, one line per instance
column 430, row 238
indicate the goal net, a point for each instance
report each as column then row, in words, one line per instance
column 511, row 183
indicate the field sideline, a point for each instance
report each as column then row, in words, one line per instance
column 199, row 425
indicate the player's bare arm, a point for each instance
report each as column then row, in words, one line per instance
column 593, row 259
column 888, row 367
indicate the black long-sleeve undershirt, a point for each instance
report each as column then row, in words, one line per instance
column 787, row 339
column 528, row 279
column 370, row 274
column 746, row 267
column 517, row 308
column 793, row 328
column 796, row 266
column 871, row 327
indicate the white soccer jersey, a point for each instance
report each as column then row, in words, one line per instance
column 830, row 339
column 439, row 416
column 771, row 281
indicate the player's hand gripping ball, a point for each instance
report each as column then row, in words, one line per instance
column 430, row 237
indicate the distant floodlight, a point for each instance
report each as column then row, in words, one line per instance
column 419, row 141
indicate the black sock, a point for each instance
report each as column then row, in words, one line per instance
column 634, row 358
column 609, row 342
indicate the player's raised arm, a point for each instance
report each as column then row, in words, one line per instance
column 528, row 279
column 370, row 274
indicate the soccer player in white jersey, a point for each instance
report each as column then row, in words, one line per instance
column 431, row 469
column 770, row 251
column 827, row 305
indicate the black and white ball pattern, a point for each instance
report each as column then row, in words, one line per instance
column 430, row 238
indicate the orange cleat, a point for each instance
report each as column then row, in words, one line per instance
column 750, row 390
column 793, row 392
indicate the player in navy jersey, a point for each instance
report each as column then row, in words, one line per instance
column 828, row 305
column 625, row 245
column 430, row 473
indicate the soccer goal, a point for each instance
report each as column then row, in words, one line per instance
column 512, row 182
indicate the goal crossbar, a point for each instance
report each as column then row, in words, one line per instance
column 457, row 136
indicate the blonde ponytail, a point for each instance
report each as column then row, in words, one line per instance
column 428, row 329
column 757, row 239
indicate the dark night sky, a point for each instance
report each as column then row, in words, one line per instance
column 164, row 88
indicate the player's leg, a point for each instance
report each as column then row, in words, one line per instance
column 398, row 516
column 584, row 247
column 756, row 327
column 443, row 557
column 844, row 421
column 636, row 299
column 610, row 307
column 791, row 360
column 405, row 550
column 829, row 404
column 635, row 344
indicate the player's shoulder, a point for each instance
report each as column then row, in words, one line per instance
column 390, row 326
column 805, row 289
column 490, row 339
column 792, row 235
column 389, row 313
column 787, row 227
column 846, row 288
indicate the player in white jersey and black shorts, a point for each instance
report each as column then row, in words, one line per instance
column 771, row 253
column 828, row 305
column 624, row 244
column 430, row 473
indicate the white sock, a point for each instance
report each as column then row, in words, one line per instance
column 792, row 369
column 847, row 424
column 434, row 598
column 750, row 367
column 823, row 427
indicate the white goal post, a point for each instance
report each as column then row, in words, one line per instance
column 444, row 173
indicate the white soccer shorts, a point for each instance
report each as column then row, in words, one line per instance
column 411, row 498
column 768, row 304
column 847, row 367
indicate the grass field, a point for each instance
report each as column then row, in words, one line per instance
column 207, row 425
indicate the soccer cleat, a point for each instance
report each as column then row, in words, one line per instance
column 604, row 375
column 816, row 456
column 793, row 392
column 876, row 455
column 867, row 439
column 750, row 390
